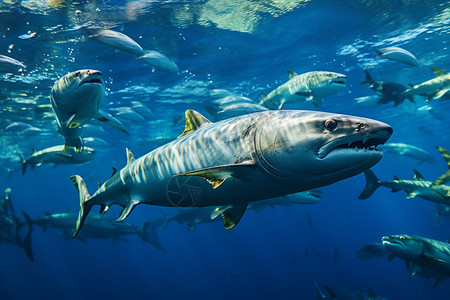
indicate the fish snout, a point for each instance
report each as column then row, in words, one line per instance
column 94, row 72
column 374, row 130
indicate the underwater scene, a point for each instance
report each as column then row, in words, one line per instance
column 221, row 149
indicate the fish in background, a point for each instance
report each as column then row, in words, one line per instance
column 115, row 40
column 433, row 89
column 446, row 176
column 346, row 294
column 423, row 257
column 123, row 42
column 428, row 254
column 76, row 99
column 159, row 61
column 417, row 187
column 311, row 86
column 10, row 65
column 408, row 150
column 58, row 155
column 232, row 106
column 240, row 160
column 10, row 226
column 398, row 54
column 98, row 227
column 441, row 211
column 192, row 216
column 387, row 91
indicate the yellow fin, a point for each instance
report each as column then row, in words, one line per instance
column 130, row 157
column 194, row 120
column 231, row 216
column 437, row 71
column 217, row 175
column 418, row 175
column 292, row 74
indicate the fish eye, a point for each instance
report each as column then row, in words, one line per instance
column 77, row 74
column 330, row 124
column 402, row 237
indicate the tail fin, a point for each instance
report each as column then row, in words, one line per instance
column 26, row 243
column 24, row 163
column 372, row 183
column 149, row 235
column 85, row 208
column 446, row 176
column 369, row 79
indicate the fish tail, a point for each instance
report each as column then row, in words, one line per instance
column 24, row 163
column 148, row 235
column 26, row 243
column 85, row 207
column 372, row 183
column 369, row 79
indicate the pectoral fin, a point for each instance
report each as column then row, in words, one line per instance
column 440, row 94
column 126, row 211
column 411, row 195
column 110, row 120
column 69, row 122
column 231, row 214
column 317, row 102
column 217, row 175
column 65, row 155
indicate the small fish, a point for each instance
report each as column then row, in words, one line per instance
column 159, row 61
column 10, row 65
column 411, row 151
column 437, row 88
column 58, row 155
column 388, row 91
column 418, row 187
column 398, row 54
column 310, row 86
column 27, row 36
column 116, row 40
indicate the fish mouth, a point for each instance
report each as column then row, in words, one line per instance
column 385, row 240
column 356, row 144
column 340, row 80
column 91, row 81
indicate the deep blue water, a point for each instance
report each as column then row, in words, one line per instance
column 244, row 47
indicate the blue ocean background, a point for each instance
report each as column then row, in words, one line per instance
column 244, row 47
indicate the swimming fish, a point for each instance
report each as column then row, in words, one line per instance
column 411, row 151
column 116, row 40
column 311, row 86
column 76, row 99
column 418, row 187
column 388, row 91
column 10, row 65
column 159, row 61
column 58, row 155
column 424, row 252
column 436, row 88
column 240, row 160
column 398, row 54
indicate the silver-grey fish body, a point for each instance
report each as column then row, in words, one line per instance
column 261, row 155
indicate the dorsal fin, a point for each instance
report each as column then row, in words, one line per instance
column 417, row 175
column 446, row 176
column 194, row 120
column 292, row 74
column 99, row 184
column 33, row 150
column 47, row 214
column 114, row 172
column 396, row 178
column 130, row 157
column 437, row 71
